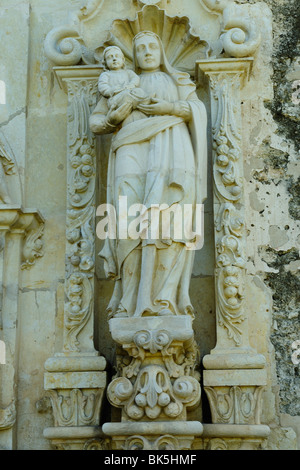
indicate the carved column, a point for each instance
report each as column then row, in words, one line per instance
column 155, row 385
column 75, row 378
column 235, row 373
column 21, row 231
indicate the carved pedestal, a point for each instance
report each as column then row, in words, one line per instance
column 156, row 383
column 235, row 373
column 75, row 379
column 75, row 387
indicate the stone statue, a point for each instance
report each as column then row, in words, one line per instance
column 158, row 160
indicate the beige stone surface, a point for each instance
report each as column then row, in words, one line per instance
column 34, row 121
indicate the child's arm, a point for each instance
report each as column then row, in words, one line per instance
column 134, row 80
column 103, row 85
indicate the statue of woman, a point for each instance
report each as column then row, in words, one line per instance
column 158, row 156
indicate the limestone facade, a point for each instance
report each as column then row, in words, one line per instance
column 77, row 375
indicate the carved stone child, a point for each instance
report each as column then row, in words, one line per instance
column 118, row 84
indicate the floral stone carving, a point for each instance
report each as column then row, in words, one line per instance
column 150, row 311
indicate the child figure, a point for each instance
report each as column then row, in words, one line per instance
column 118, row 84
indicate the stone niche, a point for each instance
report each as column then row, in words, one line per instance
column 180, row 377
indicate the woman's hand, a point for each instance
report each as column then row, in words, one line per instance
column 116, row 115
column 156, row 107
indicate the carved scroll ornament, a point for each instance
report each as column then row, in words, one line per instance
column 228, row 191
column 80, row 259
column 240, row 37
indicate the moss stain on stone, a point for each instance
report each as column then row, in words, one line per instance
column 286, row 323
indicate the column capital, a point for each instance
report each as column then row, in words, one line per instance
column 76, row 73
column 215, row 67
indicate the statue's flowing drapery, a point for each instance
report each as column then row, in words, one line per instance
column 155, row 160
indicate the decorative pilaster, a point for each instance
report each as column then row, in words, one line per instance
column 75, row 378
column 18, row 248
column 235, row 373
column 156, row 383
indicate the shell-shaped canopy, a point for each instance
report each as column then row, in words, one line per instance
column 181, row 46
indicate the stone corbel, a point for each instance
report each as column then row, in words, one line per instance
column 156, row 384
column 75, row 378
column 235, row 373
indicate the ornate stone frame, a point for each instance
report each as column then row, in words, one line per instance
column 234, row 372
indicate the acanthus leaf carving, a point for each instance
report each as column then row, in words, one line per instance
column 235, row 404
column 8, row 417
column 153, row 393
column 80, row 256
column 10, row 191
column 78, row 309
column 229, row 222
column 33, row 246
column 179, row 359
column 76, row 407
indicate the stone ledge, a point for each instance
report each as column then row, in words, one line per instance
column 211, row 431
column 72, row 380
column 234, row 360
column 238, row 377
column 124, row 329
column 174, row 428
column 65, row 363
column 73, row 432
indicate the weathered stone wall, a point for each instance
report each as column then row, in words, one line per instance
column 274, row 197
column 35, row 123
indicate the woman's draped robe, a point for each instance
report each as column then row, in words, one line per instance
column 156, row 160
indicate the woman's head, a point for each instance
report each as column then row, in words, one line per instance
column 147, row 50
column 149, row 55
